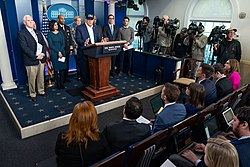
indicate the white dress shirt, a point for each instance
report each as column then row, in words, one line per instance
column 91, row 33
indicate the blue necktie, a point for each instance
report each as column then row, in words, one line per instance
column 111, row 29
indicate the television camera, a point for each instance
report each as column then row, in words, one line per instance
column 141, row 26
column 170, row 28
column 217, row 34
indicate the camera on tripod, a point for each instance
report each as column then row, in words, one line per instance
column 217, row 34
column 141, row 26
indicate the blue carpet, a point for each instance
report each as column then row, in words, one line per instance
column 61, row 102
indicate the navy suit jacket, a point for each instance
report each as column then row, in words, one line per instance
column 29, row 46
column 242, row 146
column 224, row 87
column 67, row 38
column 107, row 33
column 82, row 34
column 169, row 116
column 123, row 133
column 210, row 90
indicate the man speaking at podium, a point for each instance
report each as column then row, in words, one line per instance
column 85, row 34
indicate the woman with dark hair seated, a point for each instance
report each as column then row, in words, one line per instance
column 196, row 97
column 232, row 68
column 82, row 144
column 57, row 53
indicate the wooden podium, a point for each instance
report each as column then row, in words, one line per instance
column 99, row 57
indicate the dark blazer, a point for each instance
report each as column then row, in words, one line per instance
column 107, row 33
column 224, row 87
column 69, row 43
column 242, row 146
column 29, row 46
column 191, row 109
column 169, row 116
column 71, row 156
column 210, row 91
column 123, row 133
column 82, row 34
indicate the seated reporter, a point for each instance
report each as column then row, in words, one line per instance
column 172, row 112
column 232, row 68
column 196, row 97
column 127, row 131
column 82, row 144
column 223, row 84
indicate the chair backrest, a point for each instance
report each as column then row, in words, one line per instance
column 135, row 151
column 236, row 98
column 189, row 121
column 146, row 157
column 114, row 160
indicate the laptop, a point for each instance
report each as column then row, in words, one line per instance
column 156, row 104
column 211, row 127
column 228, row 115
column 183, row 141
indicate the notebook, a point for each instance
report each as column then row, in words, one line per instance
column 228, row 115
column 157, row 104
column 211, row 127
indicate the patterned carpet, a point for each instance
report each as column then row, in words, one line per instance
column 61, row 102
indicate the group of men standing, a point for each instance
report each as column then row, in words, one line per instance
column 76, row 39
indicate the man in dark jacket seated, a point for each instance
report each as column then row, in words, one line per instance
column 204, row 73
column 127, row 131
column 223, row 84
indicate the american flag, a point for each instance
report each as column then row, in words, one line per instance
column 45, row 30
column 45, row 21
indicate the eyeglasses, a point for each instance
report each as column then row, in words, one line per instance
column 112, row 18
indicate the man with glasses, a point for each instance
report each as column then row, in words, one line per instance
column 110, row 33
column 229, row 48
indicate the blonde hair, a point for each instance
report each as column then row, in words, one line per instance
column 221, row 153
column 83, row 124
column 77, row 17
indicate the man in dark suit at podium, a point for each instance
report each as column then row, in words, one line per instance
column 85, row 34
column 111, row 31
column 68, row 42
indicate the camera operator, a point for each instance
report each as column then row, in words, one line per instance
column 197, row 43
column 229, row 48
column 180, row 49
column 164, row 39
column 147, row 30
